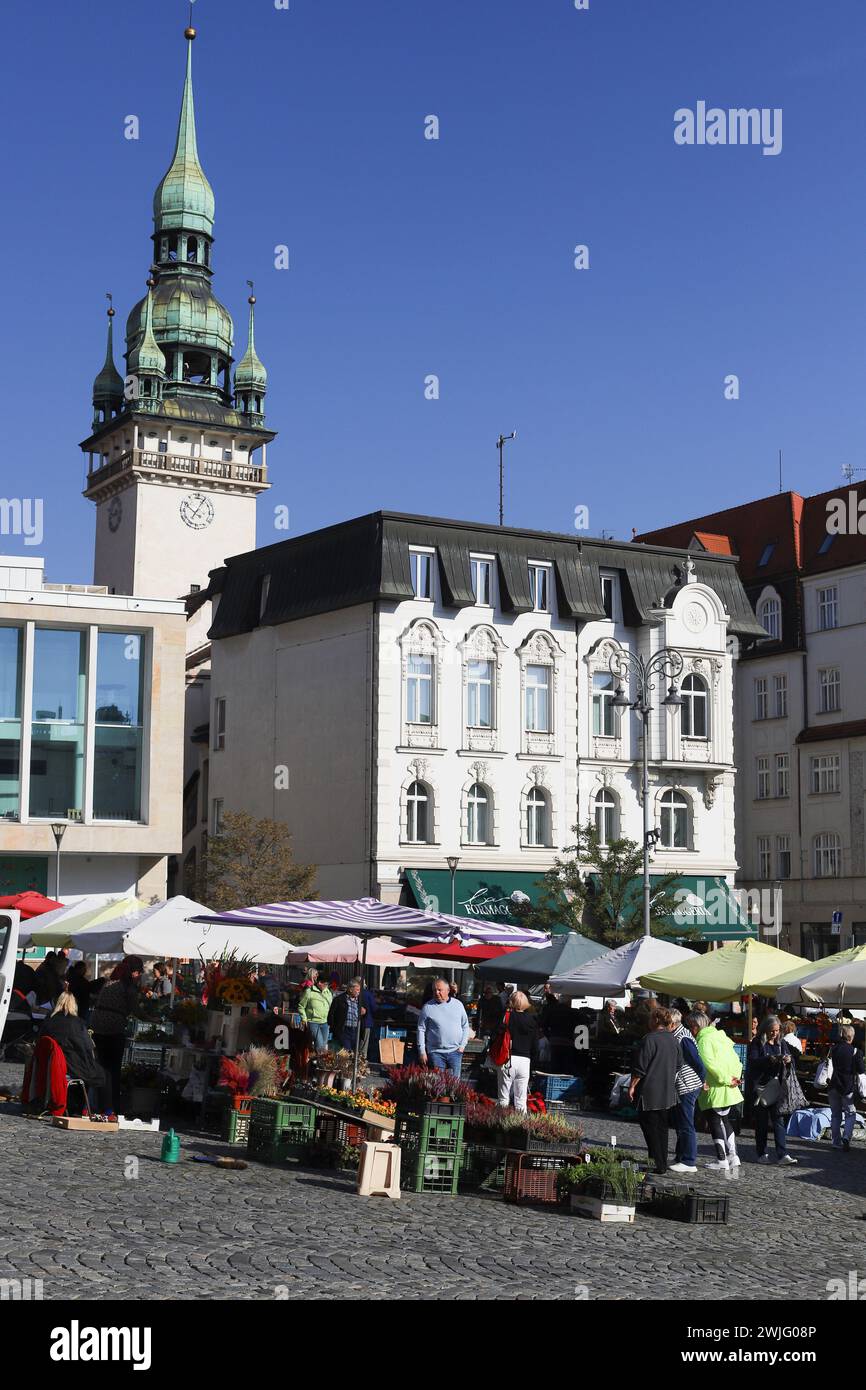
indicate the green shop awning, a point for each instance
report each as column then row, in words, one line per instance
column 482, row 897
column 707, row 905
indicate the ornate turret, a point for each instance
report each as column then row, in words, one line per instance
column 108, row 386
column 184, row 200
column 146, row 362
column 251, row 379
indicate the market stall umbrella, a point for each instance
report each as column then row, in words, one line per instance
column 455, row 953
column 29, row 904
column 613, row 972
column 737, row 968
column 564, row 953
column 61, row 929
column 181, row 927
column 346, row 950
column 835, row 980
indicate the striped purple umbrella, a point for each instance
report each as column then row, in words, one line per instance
column 369, row 917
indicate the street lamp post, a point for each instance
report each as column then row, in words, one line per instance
column 452, row 861
column 624, row 663
column 58, row 830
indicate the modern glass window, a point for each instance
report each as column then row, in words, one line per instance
column 783, row 856
column 479, row 694
column 780, row 696
column 828, row 608
column 537, row 818
column 421, row 563
column 826, row 773
column 603, row 712
column 607, row 587
column 119, row 722
column 783, row 774
column 829, row 690
column 418, row 814
column 477, row 815
column 762, row 769
column 537, row 700
column 765, row 865
column 762, row 699
column 770, row 617
column 675, row 821
column 539, row 587
column 827, row 849
column 219, row 724
column 482, row 581
column 11, row 677
column 694, row 710
column 216, row 819
column 419, row 689
column 57, row 737
column 605, row 817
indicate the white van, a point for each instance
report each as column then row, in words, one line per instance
column 8, row 954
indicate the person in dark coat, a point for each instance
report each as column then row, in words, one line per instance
column 76, row 1044
column 114, row 1005
column 658, row 1058
column 769, row 1057
column 78, row 985
column 848, row 1064
column 490, row 1012
column 343, row 1016
column 513, row 1077
column 51, row 977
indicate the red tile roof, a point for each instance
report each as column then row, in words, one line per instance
column 749, row 529
column 852, row 728
column 716, row 545
column 846, row 549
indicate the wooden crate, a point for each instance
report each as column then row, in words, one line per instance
column 92, row 1126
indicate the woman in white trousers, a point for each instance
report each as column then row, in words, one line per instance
column 513, row 1077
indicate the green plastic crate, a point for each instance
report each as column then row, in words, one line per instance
column 280, row 1115
column 267, row 1147
column 439, row 1134
column 236, row 1127
column 427, row 1172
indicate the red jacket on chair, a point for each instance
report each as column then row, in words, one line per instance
column 45, row 1077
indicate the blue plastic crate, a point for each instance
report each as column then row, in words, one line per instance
column 558, row 1087
column 741, row 1050
column 387, row 1032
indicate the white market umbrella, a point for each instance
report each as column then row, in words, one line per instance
column 165, row 930
column 616, row 971
column 835, row 980
column 96, row 913
column 347, row 950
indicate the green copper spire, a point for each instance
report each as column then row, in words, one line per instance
column 251, row 379
column 108, row 386
column 146, row 362
column 184, row 199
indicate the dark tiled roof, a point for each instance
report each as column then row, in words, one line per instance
column 846, row 548
column 853, row 728
column 367, row 559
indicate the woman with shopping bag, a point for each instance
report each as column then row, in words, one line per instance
column 769, row 1063
column 845, row 1077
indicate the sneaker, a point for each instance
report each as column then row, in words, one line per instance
column 839, row 1146
column 786, row 1158
column 762, row 1158
column 683, row 1168
column 720, row 1163
column 846, row 1144
column 734, row 1160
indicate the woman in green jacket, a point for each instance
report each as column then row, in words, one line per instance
column 721, row 1091
column 314, row 1006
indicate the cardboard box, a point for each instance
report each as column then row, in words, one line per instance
column 94, row 1126
column 391, row 1051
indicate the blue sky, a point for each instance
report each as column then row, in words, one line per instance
column 454, row 257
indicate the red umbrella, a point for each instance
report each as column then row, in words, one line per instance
column 29, row 903
column 448, row 950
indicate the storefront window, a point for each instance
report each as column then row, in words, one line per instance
column 11, row 659
column 119, row 727
column 57, row 740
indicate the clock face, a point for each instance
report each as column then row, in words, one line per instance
column 115, row 513
column 196, row 511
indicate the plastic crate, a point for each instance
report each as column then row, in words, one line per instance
column 144, row 1054
column 386, row 1032
column 236, row 1127
column 557, row 1086
column 742, row 1051
column 280, row 1115
column 453, row 1109
column 433, row 1173
column 531, row 1179
column 690, row 1207
column 267, row 1147
column 331, row 1129
column 440, row 1134
column 482, row 1169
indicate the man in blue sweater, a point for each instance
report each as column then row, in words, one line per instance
column 443, row 1030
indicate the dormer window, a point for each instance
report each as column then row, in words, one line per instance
column 766, row 554
column 421, row 567
column 539, row 587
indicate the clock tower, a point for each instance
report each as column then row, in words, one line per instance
column 178, row 452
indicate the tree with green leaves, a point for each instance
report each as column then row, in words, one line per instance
column 597, row 890
column 250, row 862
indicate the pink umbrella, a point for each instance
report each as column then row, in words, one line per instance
column 347, row 950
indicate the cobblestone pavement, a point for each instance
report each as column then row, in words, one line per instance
column 70, row 1217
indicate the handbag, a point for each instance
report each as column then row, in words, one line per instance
column 769, row 1093
column 824, row 1072
column 500, row 1045
column 861, row 1085
column 792, row 1093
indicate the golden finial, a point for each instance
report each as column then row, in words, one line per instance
column 189, row 32
column 111, row 311
column 252, row 297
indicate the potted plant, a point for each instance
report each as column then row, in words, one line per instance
column 425, row 1091
column 603, row 1186
column 538, row 1132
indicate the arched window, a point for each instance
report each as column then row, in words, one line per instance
column 478, row 815
column 694, row 712
column 605, row 816
column 192, row 248
column 675, row 820
column 537, row 818
column 770, row 617
column 418, row 814
column 828, row 855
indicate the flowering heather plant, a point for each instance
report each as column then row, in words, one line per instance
column 412, row 1085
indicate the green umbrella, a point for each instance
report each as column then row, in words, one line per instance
column 534, row 964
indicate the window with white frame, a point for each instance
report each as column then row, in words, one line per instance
column 478, row 815
column 608, row 591
column 829, row 690
column 539, row 587
column 675, row 820
column 827, row 850
column 603, row 711
column 418, row 819
column 694, row 713
column 765, row 864
column 762, row 770
column 783, row 774
column 828, row 607
column 421, row 565
column 783, row 856
column 826, row 773
column 479, row 694
column 605, row 816
column 419, row 689
column 537, row 818
column 219, row 724
column 536, row 694
column 216, row 820
column 482, row 580
column 780, row 696
column 762, row 698
column 770, row 617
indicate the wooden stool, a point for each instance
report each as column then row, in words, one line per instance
column 379, row 1171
